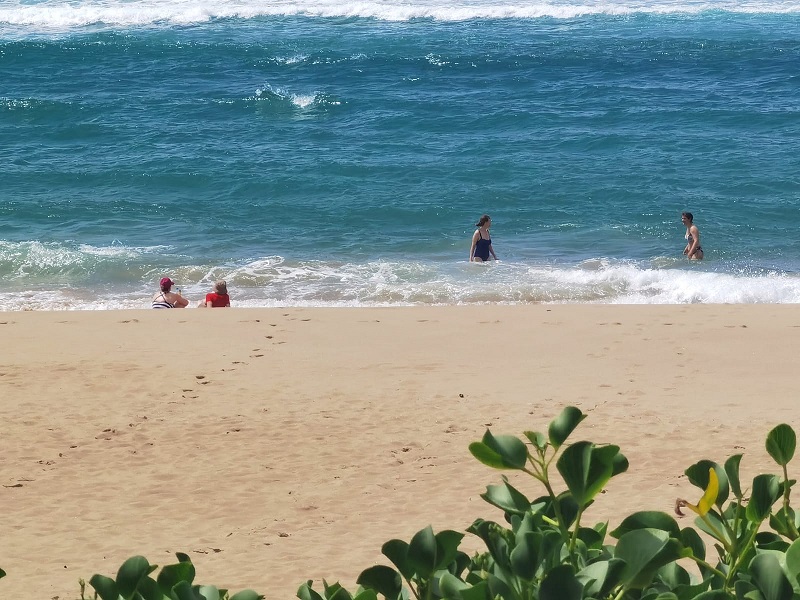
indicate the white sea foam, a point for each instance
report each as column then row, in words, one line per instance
column 269, row 92
column 54, row 15
column 274, row 281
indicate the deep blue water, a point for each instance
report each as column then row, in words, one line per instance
column 340, row 154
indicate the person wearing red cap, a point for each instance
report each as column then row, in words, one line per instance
column 167, row 299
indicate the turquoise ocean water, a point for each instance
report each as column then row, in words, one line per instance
column 319, row 153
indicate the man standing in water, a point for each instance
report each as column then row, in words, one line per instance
column 693, row 250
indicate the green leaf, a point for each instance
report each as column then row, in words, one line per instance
column 732, row 471
column 2, row 573
column 769, row 540
column 781, row 443
column 447, row 542
column 536, row 438
column 183, row 557
column 172, row 574
column 568, row 507
column 563, row 425
column 648, row 520
column 769, row 578
column 717, row 523
column 586, row 469
column 714, row 595
column 334, row 591
column 382, row 579
column 698, row 476
column 494, row 536
column 561, row 584
column 500, row 452
column 507, row 498
column 422, row 554
column 601, row 577
column 149, row 590
column 498, row 588
column 525, row 557
column 692, row 540
column 246, row 595
column 209, row 592
column 644, row 552
column 397, row 552
column 744, row 589
column 766, row 491
column 305, row 592
column 619, row 465
column 105, row 587
column 782, row 521
column 478, row 591
column 366, row 595
column 673, row 575
column 451, row 586
column 592, row 538
column 131, row 573
column 183, row 591
column 793, row 562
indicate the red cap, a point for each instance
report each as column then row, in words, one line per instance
column 166, row 282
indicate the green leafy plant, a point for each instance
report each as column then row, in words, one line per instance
column 174, row 582
column 752, row 562
column 541, row 550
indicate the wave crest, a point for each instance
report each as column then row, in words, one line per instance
column 51, row 15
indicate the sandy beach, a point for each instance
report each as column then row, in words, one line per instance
column 279, row 445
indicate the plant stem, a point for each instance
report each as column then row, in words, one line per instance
column 411, row 587
column 717, row 533
column 621, row 594
column 735, row 537
column 703, row 563
column 735, row 565
column 786, row 507
column 557, row 509
column 574, row 537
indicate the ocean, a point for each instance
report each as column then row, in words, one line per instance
column 319, row 153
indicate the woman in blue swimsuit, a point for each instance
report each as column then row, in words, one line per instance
column 693, row 250
column 482, row 241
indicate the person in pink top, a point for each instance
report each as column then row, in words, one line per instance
column 218, row 298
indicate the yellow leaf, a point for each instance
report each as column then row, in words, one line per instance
column 710, row 495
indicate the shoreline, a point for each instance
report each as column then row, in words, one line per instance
column 279, row 445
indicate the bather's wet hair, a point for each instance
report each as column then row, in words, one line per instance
column 688, row 215
column 482, row 221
